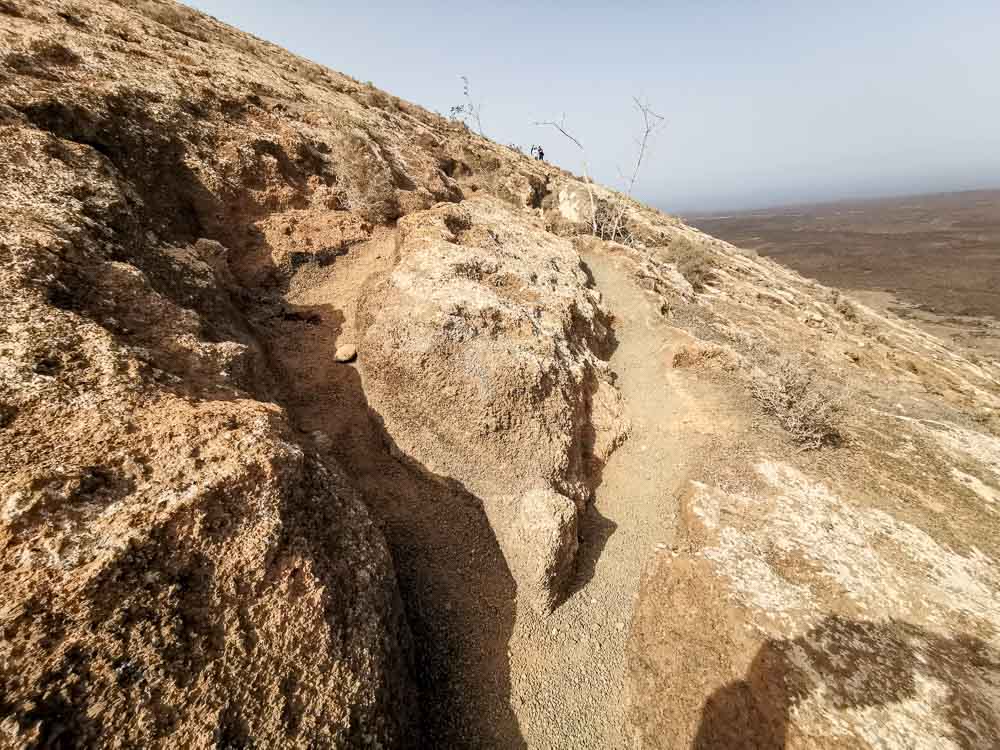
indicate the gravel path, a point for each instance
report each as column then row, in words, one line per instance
column 567, row 672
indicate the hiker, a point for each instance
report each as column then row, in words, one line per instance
column 541, row 154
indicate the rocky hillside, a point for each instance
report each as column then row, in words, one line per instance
column 326, row 423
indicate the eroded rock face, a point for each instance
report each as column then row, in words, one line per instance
column 176, row 571
column 494, row 319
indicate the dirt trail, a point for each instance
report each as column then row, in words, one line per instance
column 488, row 678
column 568, row 671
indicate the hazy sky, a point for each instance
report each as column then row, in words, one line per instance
column 767, row 102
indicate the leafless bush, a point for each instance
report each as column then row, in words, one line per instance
column 607, row 219
column 366, row 178
column 846, row 309
column 608, row 223
column 40, row 56
column 372, row 96
column 181, row 19
column 468, row 111
column 651, row 122
column 693, row 262
column 809, row 410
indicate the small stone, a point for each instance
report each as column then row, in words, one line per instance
column 346, row 353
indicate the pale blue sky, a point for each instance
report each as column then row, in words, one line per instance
column 767, row 102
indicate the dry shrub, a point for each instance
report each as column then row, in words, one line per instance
column 41, row 55
column 693, row 262
column 843, row 306
column 181, row 19
column 807, row 408
column 609, row 221
column 366, row 177
column 702, row 355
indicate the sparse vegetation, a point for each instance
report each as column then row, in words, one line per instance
column 651, row 122
column 607, row 218
column 366, row 178
column 375, row 97
column 790, row 390
column 41, row 55
column 179, row 18
column 843, row 306
column 469, row 110
column 693, row 262
column 561, row 127
column 609, row 225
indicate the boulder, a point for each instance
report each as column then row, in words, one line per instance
column 497, row 320
column 345, row 353
column 177, row 571
column 541, row 547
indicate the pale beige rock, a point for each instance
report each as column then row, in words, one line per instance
column 541, row 547
column 346, row 353
column 494, row 316
column 802, row 619
column 192, row 219
column 177, row 570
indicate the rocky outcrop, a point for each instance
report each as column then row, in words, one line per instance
column 800, row 619
column 495, row 320
column 186, row 564
column 177, row 571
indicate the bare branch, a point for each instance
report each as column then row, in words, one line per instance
column 470, row 109
column 651, row 123
column 561, row 127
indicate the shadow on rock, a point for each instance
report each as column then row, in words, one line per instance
column 456, row 587
column 595, row 531
column 849, row 664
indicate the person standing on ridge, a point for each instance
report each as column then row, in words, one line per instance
column 541, row 154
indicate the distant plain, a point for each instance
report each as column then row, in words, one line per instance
column 934, row 259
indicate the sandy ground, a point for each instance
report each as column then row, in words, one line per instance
column 940, row 252
column 568, row 671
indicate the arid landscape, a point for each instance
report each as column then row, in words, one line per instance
column 326, row 422
column 933, row 259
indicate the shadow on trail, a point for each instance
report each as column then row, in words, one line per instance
column 595, row 531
